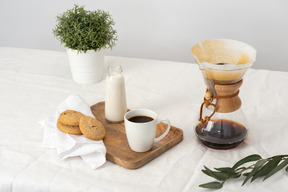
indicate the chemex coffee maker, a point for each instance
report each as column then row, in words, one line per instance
column 223, row 62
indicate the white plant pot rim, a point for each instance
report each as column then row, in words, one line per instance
column 82, row 51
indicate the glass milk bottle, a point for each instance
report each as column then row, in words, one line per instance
column 115, row 101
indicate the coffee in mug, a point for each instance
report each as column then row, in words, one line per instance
column 140, row 119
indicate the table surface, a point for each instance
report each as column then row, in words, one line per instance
column 34, row 82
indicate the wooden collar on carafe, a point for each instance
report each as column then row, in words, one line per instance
column 225, row 102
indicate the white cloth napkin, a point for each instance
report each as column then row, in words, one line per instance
column 67, row 145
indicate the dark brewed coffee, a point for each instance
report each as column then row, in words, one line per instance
column 224, row 134
column 140, row 119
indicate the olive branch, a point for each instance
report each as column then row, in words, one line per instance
column 264, row 168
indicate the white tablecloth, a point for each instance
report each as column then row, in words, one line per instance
column 34, row 82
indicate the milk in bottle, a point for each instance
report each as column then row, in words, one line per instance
column 115, row 100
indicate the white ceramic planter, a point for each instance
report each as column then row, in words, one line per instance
column 86, row 68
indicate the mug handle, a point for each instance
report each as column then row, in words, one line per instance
column 166, row 132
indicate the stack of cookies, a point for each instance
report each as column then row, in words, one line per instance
column 76, row 123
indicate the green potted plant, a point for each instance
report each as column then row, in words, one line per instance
column 86, row 34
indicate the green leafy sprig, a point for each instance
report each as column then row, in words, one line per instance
column 264, row 168
column 84, row 30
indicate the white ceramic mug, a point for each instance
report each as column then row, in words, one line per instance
column 141, row 135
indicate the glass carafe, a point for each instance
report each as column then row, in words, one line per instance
column 223, row 62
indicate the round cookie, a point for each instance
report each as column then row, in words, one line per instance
column 75, row 130
column 92, row 128
column 70, row 117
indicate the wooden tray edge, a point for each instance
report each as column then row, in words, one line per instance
column 139, row 163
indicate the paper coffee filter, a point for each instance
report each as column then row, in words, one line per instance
column 224, row 51
column 236, row 56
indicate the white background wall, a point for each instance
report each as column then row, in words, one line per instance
column 159, row 29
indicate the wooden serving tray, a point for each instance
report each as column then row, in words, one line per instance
column 117, row 147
